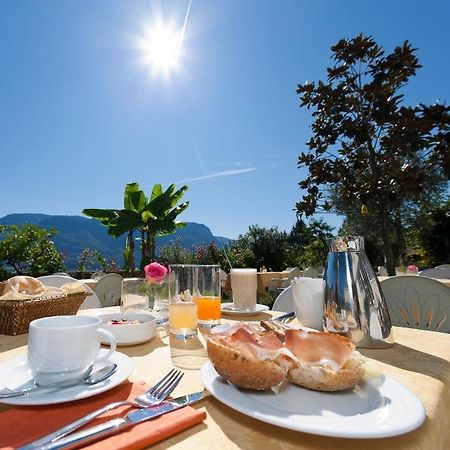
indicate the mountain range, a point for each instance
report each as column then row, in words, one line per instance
column 75, row 233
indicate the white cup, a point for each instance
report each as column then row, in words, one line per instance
column 65, row 347
column 244, row 286
column 308, row 296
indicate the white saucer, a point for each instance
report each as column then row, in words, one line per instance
column 229, row 308
column 15, row 373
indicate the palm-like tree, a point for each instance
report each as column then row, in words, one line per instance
column 153, row 217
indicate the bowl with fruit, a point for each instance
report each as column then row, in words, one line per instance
column 130, row 328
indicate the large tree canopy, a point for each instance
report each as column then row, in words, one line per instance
column 369, row 153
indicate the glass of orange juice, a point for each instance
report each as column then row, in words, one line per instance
column 207, row 295
column 183, row 319
column 182, row 308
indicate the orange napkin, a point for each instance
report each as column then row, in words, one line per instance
column 23, row 424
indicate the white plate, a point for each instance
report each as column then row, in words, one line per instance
column 383, row 407
column 228, row 308
column 15, row 374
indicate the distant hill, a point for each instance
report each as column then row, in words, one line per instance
column 76, row 233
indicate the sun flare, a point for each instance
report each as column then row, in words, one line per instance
column 162, row 48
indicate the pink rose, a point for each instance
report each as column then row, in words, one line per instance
column 155, row 272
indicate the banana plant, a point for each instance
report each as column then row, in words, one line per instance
column 152, row 217
column 159, row 218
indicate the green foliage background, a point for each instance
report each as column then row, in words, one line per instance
column 28, row 249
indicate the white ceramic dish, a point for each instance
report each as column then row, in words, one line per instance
column 383, row 407
column 16, row 374
column 229, row 308
column 130, row 334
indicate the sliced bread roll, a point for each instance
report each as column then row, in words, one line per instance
column 260, row 361
column 322, row 378
column 324, row 361
column 248, row 360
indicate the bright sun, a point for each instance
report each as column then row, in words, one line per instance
column 162, row 48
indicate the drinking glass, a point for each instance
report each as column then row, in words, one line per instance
column 182, row 308
column 160, row 293
column 244, row 285
column 207, row 295
column 135, row 296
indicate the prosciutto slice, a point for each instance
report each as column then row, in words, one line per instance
column 317, row 348
column 262, row 347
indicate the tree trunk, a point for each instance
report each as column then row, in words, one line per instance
column 143, row 250
column 385, row 236
column 400, row 237
column 147, row 251
column 130, row 253
column 152, row 240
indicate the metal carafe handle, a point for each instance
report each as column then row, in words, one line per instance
column 354, row 305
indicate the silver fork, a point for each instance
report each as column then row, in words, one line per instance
column 152, row 397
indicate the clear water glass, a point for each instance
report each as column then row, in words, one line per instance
column 160, row 294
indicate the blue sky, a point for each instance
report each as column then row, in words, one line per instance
column 80, row 115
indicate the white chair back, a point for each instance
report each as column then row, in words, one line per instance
column 437, row 272
column 294, row 273
column 109, row 289
column 417, row 302
column 311, row 272
column 285, row 301
column 57, row 280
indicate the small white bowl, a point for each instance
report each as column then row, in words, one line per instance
column 133, row 333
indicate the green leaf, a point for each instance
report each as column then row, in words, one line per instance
column 156, row 192
column 100, row 214
column 134, row 198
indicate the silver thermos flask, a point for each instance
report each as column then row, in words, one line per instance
column 354, row 305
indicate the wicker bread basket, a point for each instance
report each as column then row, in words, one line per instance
column 16, row 315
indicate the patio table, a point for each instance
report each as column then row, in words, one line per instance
column 419, row 359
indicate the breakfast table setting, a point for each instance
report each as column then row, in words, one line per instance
column 189, row 371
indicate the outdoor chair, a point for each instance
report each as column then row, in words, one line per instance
column 417, row 302
column 285, row 301
column 109, row 289
column 311, row 272
column 437, row 272
column 277, row 285
column 58, row 280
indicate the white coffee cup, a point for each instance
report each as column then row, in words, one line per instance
column 66, row 347
column 308, row 296
column 244, row 286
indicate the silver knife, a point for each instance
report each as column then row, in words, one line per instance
column 115, row 426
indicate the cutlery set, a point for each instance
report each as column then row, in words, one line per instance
column 115, row 426
column 96, row 377
column 150, row 404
